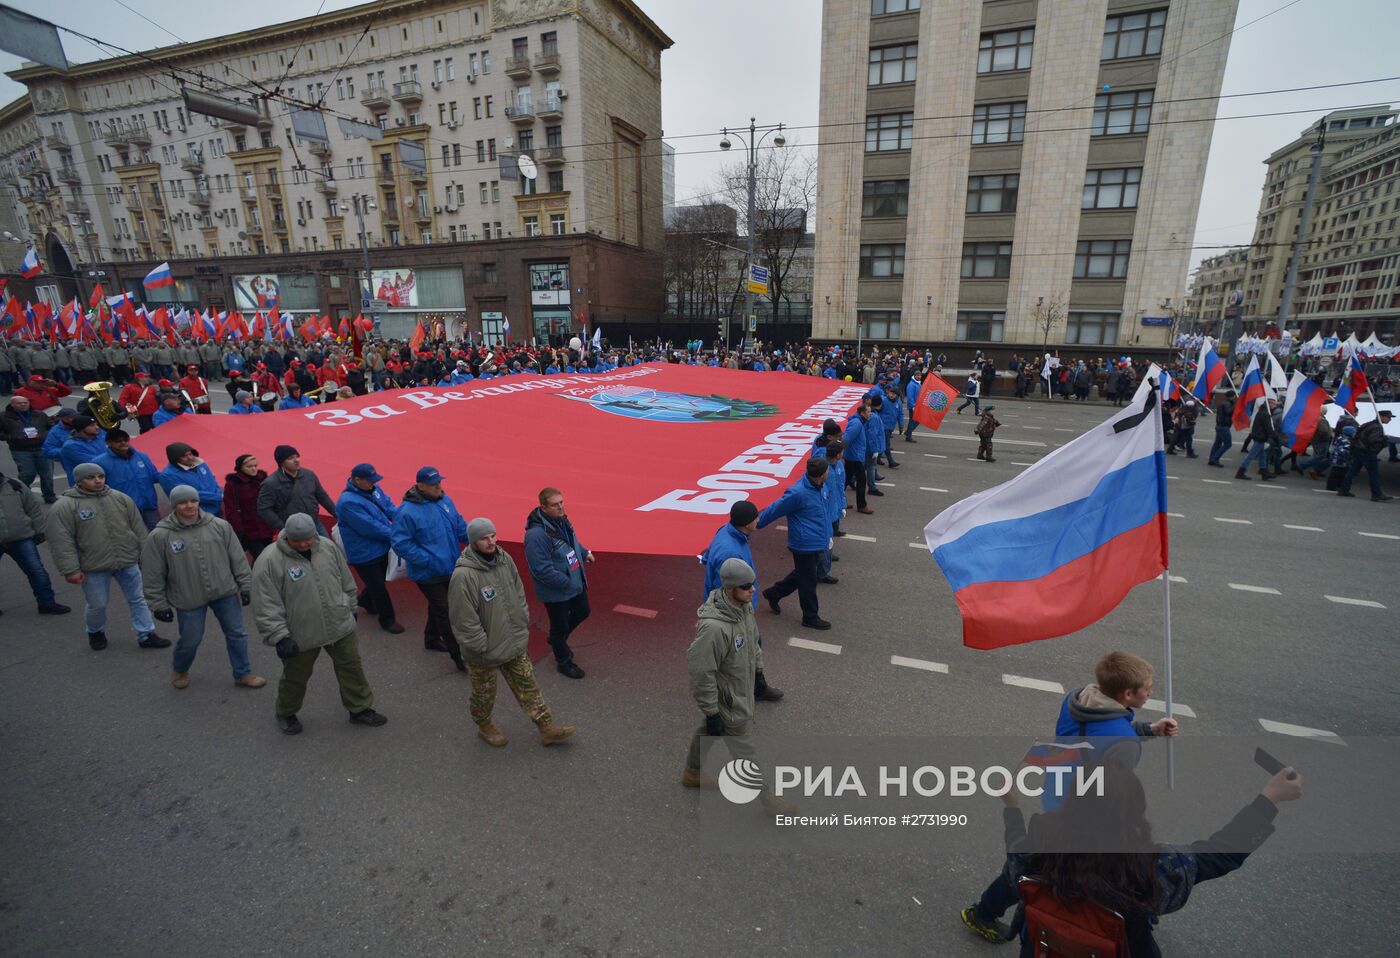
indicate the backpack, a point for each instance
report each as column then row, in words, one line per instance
column 1078, row 929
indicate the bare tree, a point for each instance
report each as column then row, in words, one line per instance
column 695, row 269
column 1048, row 314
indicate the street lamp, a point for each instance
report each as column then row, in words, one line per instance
column 364, row 242
column 756, row 136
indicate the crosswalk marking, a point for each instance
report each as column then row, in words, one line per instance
column 1263, row 589
column 814, row 646
column 1157, row 705
column 1377, row 535
column 1301, row 731
column 1040, row 685
column 1238, row 522
column 1218, row 482
column 1302, row 528
column 1343, row 600
column 931, row 489
column 919, row 664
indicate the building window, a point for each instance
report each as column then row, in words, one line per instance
column 878, row 8
column 998, row 123
column 986, row 260
column 488, row 270
column 992, row 194
column 481, row 151
column 889, row 131
column 1133, row 35
column 1119, row 113
column 979, row 326
column 529, row 185
column 881, row 260
column 556, row 224
column 1111, row 189
column 1092, row 329
column 495, row 191
column 886, row 198
column 483, row 192
column 556, row 181
column 897, row 64
column 1101, row 259
column 532, row 226
column 1005, row 50
column 879, row 323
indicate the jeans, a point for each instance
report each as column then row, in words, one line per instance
column 375, row 595
column 974, row 403
column 909, row 430
column 1257, row 451
column 26, row 553
column 96, row 589
column 802, row 580
column 150, row 517
column 1186, row 438
column 1224, row 438
column 872, row 474
column 889, row 447
column 229, row 612
column 1318, row 462
column 564, row 617
column 30, row 463
column 1371, row 462
column 823, row 564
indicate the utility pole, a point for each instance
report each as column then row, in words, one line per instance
column 1285, row 309
column 756, row 136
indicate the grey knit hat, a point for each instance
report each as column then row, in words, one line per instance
column 183, row 493
column 479, row 527
column 86, row 470
column 734, row 572
column 241, row 395
column 299, row 526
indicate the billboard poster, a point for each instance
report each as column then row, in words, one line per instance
column 396, row 287
column 549, row 284
column 260, row 291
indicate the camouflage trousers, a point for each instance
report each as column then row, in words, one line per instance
column 520, row 676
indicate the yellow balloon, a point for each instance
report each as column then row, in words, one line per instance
column 848, row 379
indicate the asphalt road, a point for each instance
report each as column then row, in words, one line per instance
column 142, row 820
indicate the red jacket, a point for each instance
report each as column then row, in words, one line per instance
column 327, row 374
column 196, row 387
column 45, row 396
column 241, row 506
column 142, row 397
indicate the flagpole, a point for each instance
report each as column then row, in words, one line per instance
column 1167, row 667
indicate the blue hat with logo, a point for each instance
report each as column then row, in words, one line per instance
column 366, row 471
column 429, row 476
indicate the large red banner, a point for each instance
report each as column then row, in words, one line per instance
column 649, row 458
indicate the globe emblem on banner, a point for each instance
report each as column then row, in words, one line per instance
column 650, row 404
column 937, row 400
column 740, row 781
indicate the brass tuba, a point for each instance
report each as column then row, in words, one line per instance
column 101, row 406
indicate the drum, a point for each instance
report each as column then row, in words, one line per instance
column 268, row 401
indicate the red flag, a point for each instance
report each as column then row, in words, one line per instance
column 259, row 327
column 98, row 299
column 13, row 316
column 138, row 323
column 344, row 330
column 69, row 325
column 935, row 399
column 159, row 320
column 310, row 329
column 416, row 340
column 364, row 323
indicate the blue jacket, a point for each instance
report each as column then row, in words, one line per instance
column 233, row 361
column 555, row 557
column 892, row 413
column 1088, row 713
column 287, row 402
column 428, row 536
column 728, row 543
column 162, row 416
column 828, row 373
column 77, row 451
column 911, row 394
column 239, row 409
column 136, row 476
column 53, row 442
column 855, row 439
column 366, row 522
column 809, row 529
column 875, row 433
column 834, row 489
column 211, row 494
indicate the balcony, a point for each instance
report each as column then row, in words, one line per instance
column 155, row 201
column 117, row 138
column 408, row 91
column 518, row 68
column 376, row 97
column 422, row 216
column 198, row 198
column 57, row 141
column 249, row 194
column 76, row 208
column 326, row 187
column 254, row 231
column 264, row 121
column 384, row 176
column 417, row 177
column 550, row 156
column 133, row 203
column 272, row 188
column 520, row 111
column 139, row 136
column 551, row 109
column 319, row 148
column 192, row 163
column 389, row 215
column 547, row 63
column 279, row 225
column 69, row 175
column 29, row 165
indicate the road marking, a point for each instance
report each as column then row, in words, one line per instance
column 1157, row 705
column 1059, row 429
column 919, row 664
column 918, row 545
column 1237, row 522
column 1273, row 485
column 1173, row 477
column 1023, row 463
column 1177, row 578
column 1343, row 600
column 1376, row 535
column 931, row 489
column 1176, row 515
column 852, row 535
column 1218, row 482
column 1239, row 587
column 1329, row 492
column 1039, row 685
column 1301, row 731
column 887, row 485
column 814, row 646
column 633, row 610
column 934, row 455
column 1036, row 428
column 1008, row 442
column 1302, row 528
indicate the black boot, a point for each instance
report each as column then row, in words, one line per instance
column 1239, row 474
column 763, row 691
column 97, row 641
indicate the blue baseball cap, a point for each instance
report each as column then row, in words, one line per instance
column 429, row 476
column 366, row 471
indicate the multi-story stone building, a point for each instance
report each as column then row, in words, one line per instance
column 1349, row 274
column 982, row 160
column 1209, row 301
column 462, row 92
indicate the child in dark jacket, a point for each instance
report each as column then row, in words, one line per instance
column 986, row 426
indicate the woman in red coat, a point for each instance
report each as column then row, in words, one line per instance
column 241, row 505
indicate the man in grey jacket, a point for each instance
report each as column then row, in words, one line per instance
column 303, row 602
column 95, row 538
column 22, row 527
column 292, row 489
column 191, row 564
column 491, row 621
column 723, row 661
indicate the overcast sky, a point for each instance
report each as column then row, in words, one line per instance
column 739, row 58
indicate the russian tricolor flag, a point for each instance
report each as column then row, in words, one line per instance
column 159, row 278
column 1056, row 548
column 1209, row 371
column 1167, row 387
column 29, row 267
column 1252, row 389
column 1353, row 385
column 1302, row 408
